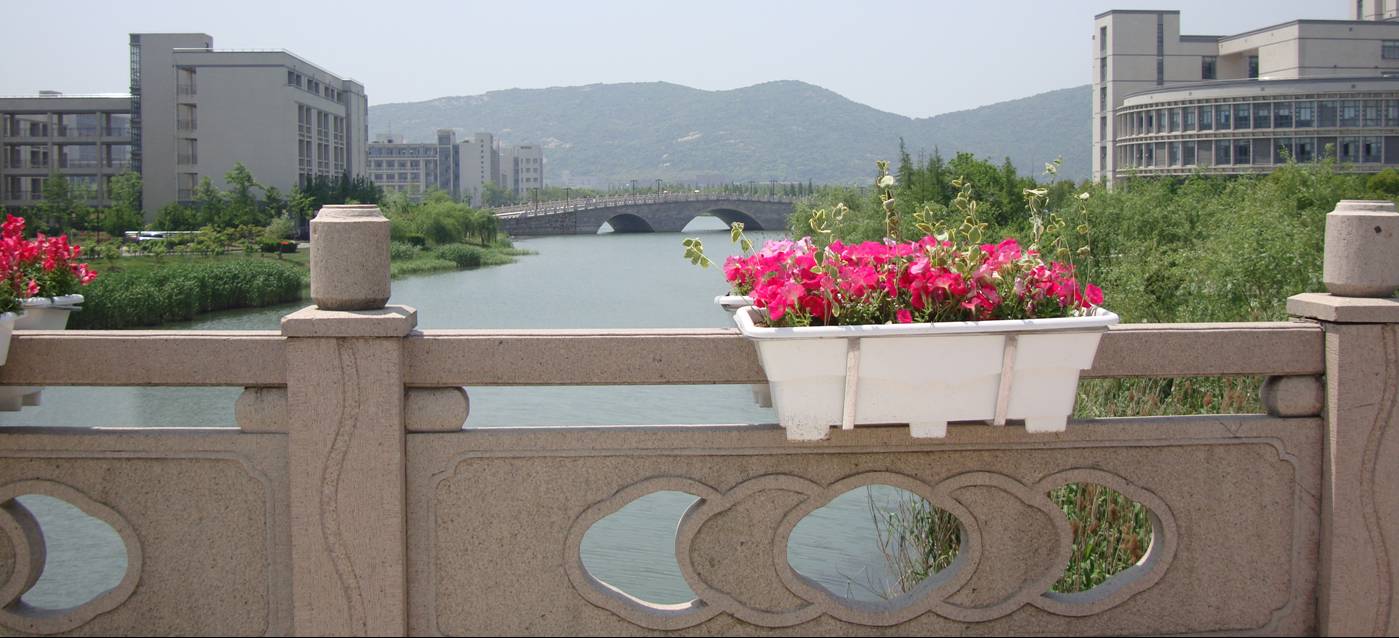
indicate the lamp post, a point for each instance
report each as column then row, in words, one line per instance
column 658, row 187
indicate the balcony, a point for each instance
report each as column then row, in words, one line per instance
column 349, row 499
column 20, row 163
column 187, row 159
column 186, row 124
column 185, row 90
column 71, row 132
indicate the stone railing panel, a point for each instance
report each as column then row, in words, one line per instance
column 624, row 357
column 496, row 518
column 202, row 514
column 145, row 358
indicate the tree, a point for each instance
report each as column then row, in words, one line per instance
column 493, row 196
column 125, row 211
column 241, row 205
column 56, row 208
column 273, row 203
column 209, row 204
column 175, row 216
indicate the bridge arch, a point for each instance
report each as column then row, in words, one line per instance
column 731, row 215
column 627, row 223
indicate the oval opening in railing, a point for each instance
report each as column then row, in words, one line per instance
column 633, row 549
column 83, row 557
column 1111, row 534
column 874, row 543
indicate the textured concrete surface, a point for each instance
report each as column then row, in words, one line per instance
column 1360, row 498
column 1362, row 249
column 203, row 515
column 556, row 357
column 350, row 257
column 311, row 321
column 1235, row 501
column 146, row 357
column 346, row 458
column 1327, row 307
column 1293, row 396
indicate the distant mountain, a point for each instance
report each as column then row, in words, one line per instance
column 612, row 133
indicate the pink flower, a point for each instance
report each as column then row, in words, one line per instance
column 903, row 316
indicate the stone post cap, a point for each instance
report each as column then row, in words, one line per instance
column 389, row 321
column 1362, row 249
column 350, row 257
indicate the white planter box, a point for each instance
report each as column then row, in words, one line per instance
column 762, row 394
column 925, row 375
column 7, row 326
column 40, row 313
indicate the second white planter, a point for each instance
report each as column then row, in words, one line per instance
column 925, row 375
column 40, row 313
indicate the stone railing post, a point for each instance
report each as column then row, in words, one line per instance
column 346, row 433
column 1360, row 471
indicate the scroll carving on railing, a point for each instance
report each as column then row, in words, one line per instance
column 752, row 522
column 753, row 490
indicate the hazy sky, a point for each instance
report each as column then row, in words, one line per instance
column 911, row 58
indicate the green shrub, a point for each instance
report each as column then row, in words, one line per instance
column 399, row 251
column 415, row 239
column 179, row 292
column 460, row 254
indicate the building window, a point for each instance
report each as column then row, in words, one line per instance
column 1263, row 115
column 1221, row 152
column 1350, row 113
column 1253, row 66
column 1206, row 118
column 1371, row 114
column 1306, row 149
column 1188, row 118
column 1242, row 154
column 1103, row 99
column 1103, row 40
column 1390, row 50
column 1242, row 117
column 1207, row 64
column 1305, row 115
column 1221, row 117
column 1370, row 150
column 1187, row 154
column 1282, row 149
column 1282, row 115
column 1326, row 113
column 1348, row 149
column 1175, row 120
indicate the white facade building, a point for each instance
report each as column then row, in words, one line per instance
column 1172, row 104
column 196, row 111
column 84, row 139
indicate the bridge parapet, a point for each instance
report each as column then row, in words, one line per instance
column 651, row 213
column 351, row 499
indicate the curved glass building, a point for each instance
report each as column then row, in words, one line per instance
column 1167, row 104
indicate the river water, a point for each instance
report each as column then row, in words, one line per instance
column 602, row 281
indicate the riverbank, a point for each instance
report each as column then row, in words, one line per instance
column 141, row 291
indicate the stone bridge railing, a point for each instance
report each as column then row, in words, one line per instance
column 591, row 203
column 350, row 499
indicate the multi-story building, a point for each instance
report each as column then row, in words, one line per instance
column 84, row 139
column 1172, row 104
column 522, row 169
column 193, row 112
column 414, row 168
column 196, row 111
column 461, row 169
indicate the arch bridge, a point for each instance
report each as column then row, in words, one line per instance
column 665, row 213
